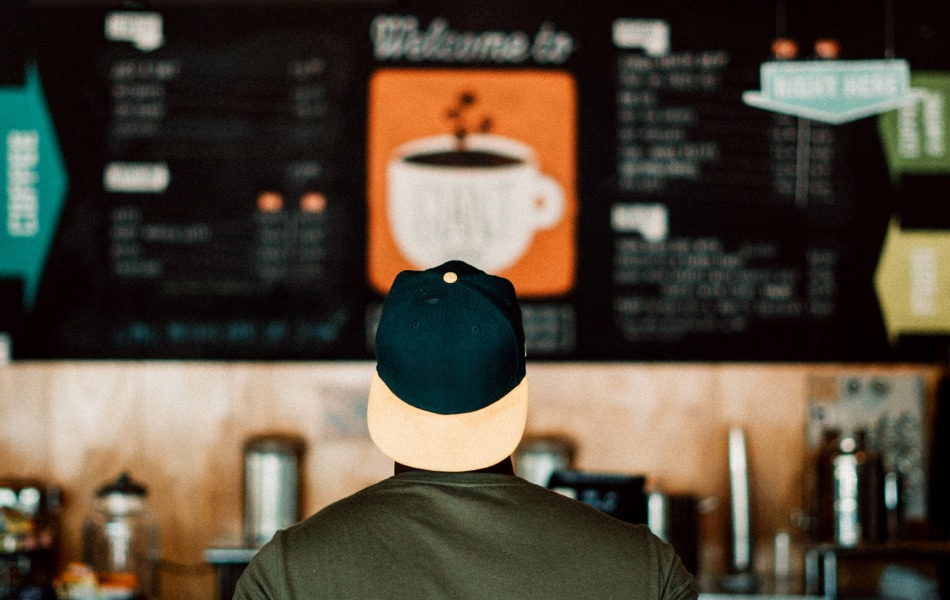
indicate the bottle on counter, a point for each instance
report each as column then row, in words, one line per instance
column 858, row 497
column 819, row 484
column 121, row 541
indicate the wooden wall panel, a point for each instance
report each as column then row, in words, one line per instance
column 179, row 427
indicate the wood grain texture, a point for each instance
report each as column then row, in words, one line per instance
column 179, row 427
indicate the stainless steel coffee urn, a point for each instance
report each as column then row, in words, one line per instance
column 272, row 486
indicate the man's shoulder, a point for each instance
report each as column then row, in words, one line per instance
column 354, row 502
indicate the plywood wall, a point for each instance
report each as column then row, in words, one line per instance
column 179, row 427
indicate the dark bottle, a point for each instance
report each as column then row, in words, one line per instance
column 823, row 486
column 858, row 496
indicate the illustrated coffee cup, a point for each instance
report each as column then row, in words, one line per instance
column 482, row 204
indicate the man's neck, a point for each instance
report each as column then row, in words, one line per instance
column 505, row 467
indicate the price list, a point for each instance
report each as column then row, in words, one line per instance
column 661, row 140
column 222, row 171
column 727, row 222
column 802, row 154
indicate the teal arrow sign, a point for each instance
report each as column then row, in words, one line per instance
column 833, row 91
column 32, row 183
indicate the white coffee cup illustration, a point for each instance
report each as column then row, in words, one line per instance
column 482, row 203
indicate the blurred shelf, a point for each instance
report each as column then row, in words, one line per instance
column 885, row 550
column 823, row 561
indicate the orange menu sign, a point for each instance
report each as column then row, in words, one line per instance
column 476, row 165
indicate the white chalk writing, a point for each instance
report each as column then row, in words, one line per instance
column 398, row 37
column 23, row 205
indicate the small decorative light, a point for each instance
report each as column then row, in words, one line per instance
column 784, row 48
column 827, row 49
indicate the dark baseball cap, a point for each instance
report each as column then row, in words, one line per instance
column 449, row 392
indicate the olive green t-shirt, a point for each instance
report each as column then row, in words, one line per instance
column 420, row 535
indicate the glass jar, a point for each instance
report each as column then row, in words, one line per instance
column 121, row 541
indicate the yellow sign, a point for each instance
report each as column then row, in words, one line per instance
column 913, row 281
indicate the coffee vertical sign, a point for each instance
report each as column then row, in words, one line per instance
column 469, row 159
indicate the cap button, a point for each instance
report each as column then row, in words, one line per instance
column 450, row 277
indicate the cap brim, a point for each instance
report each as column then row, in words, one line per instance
column 459, row 442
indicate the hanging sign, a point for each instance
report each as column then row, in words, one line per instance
column 833, row 91
column 32, row 182
column 917, row 136
column 913, row 281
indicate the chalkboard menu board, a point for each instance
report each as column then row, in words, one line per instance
column 243, row 180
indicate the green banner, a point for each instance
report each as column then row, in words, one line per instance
column 917, row 136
